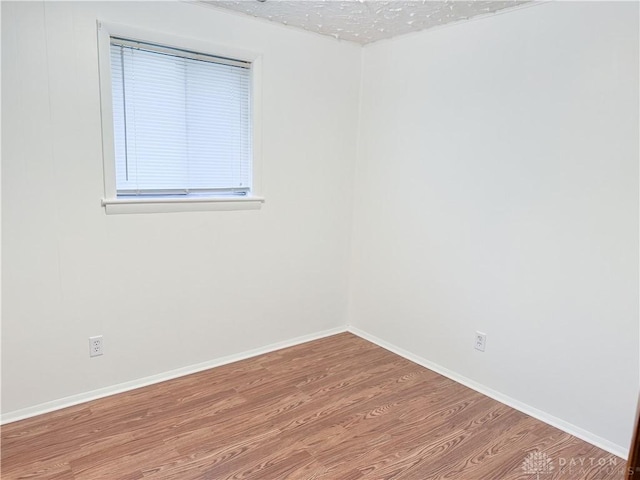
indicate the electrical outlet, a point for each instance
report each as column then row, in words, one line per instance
column 481, row 341
column 95, row 346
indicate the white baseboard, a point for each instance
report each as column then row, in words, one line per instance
column 567, row 427
column 161, row 377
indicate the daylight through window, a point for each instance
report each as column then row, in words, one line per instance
column 182, row 122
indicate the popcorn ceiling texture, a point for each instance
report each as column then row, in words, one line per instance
column 364, row 21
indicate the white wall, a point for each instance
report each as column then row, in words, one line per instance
column 497, row 190
column 165, row 290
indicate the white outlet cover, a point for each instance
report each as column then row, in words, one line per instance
column 95, row 346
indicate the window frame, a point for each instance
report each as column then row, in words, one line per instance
column 116, row 205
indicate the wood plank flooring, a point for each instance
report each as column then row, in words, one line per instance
column 336, row 408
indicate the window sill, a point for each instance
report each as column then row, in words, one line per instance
column 115, row 206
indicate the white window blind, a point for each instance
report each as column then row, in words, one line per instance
column 182, row 122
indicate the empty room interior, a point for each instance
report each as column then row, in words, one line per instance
column 320, row 240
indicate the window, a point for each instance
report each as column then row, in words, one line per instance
column 181, row 122
column 178, row 126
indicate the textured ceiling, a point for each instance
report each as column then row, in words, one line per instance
column 364, row 21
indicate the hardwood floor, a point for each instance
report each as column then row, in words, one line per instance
column 336, row 408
